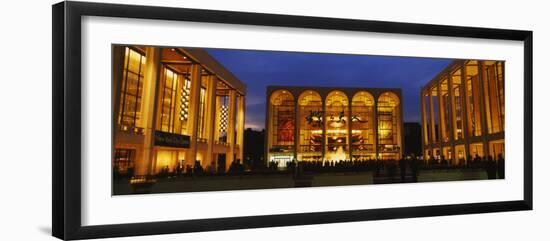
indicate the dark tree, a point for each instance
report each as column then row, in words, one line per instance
column 253, row 150
column 412, row 135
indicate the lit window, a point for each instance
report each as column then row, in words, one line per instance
column 131, row 88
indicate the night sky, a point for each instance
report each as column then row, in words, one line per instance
column 258, row 69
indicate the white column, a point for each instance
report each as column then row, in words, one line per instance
column 145, row 166
column 376, row 150
column 210, row 119
column 240, row 126
column 350, row 126
column 193, row 121
column 424, row 128
column 432, row 119
column 484, row 128
column 296, row 128
column 453, row 116
column 231, row 129
column 441, row 120
column 465, row 113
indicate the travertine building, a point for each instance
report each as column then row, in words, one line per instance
column 317, row 123
column 172, row 107
column 463, row 111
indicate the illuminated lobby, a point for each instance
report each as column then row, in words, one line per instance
column 333, row 124
column 173, row 107
column 463, row 112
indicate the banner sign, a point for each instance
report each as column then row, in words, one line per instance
column 171, row 140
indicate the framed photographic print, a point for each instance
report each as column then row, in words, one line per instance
column 169, row 120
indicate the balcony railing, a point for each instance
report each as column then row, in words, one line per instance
column 389, row 148
column 221, row 143
column 363, row 147
column 133, row 129
column 310, row 148
column 281, row 148
column 335, row 147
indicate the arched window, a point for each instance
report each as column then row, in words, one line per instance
column 389, row 126
column 281, row 121
column 310, row 125
column 362, row 126
column 337, row 127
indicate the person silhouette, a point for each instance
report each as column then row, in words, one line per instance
column 402, row 168
column 500, row 166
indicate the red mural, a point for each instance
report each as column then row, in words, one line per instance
column 286, row 131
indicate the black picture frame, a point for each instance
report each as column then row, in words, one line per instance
column 66, row 140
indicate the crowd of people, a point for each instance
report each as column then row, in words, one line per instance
column 405, row 166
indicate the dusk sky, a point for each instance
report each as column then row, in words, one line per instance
column 258, row 69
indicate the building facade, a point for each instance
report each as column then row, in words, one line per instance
column 174, row 107
column 314, row 124
column 463, row 112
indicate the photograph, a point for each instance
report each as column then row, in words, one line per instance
column 190, row 119
column 273, row 120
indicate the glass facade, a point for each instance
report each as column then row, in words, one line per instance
column 362, row 126
column 333, row 124
column 456, row 92
column 435, row 113
column 389, row 126
column 336, row 126
column 281, row 121
column 493, row 86
column 131, row 88
column 465, row 104
column 445, row 110
column 311, row 133
column 169, row 98
column 473, row 100
column 124, row 161
column 168, row 101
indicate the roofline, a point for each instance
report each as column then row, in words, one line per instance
column 328, row 87
column 323, row 91
column 456, row 63
column 201, row 56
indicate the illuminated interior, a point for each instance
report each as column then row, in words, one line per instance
column 496, row 148
column 336, row 126
column 362, row 124
column 389, row 128
column 463, row 112
column 311, row 118
column 456, row 103
column 493, row 87
column 131, row 88
column 473, row 98
column 281, row 121
column 173, row 95
column 476, row 149
column 331, row 126
column 445, row 100
column 460, row 153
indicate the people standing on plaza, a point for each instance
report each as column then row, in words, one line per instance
column 500, row 166
column 491, row 168
column 403, row 168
